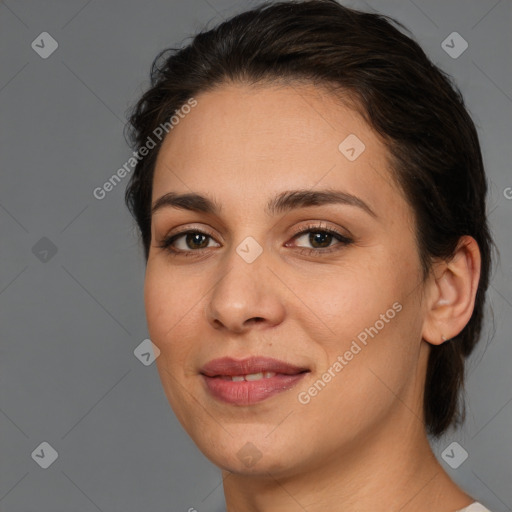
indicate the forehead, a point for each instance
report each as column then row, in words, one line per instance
column 242, row 141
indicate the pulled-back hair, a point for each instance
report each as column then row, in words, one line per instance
column 412, row 105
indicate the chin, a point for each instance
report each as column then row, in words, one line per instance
column 250, row 450
column 252, row 463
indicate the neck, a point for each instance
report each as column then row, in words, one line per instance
column 389, row 468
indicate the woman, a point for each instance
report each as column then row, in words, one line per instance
column 311, row 197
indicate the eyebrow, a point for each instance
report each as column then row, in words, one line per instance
column 281, row 203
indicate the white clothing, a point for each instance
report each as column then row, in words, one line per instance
column 475, row 507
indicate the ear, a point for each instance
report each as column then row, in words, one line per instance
column 451, row 292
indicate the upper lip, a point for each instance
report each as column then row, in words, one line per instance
column 229, row 366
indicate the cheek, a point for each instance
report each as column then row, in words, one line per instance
column 373, row 383
column 172, row 319
column 165, row 309
column 169, row 320
column 375, row 328
column 158, row 307
column 350, row 299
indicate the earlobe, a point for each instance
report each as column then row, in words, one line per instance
column 453, row 290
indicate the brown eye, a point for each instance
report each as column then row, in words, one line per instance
column 193, row 240
column 186, row 242
column 320, row 239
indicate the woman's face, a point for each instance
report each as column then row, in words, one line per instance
column 260, row 277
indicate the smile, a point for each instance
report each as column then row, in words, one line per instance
column 248, row 377
column 249, row 381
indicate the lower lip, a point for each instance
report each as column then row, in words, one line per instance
column 250, row 392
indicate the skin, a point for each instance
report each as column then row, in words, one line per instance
column 360, row 443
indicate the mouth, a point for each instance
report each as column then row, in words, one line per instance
column 249, row 381
column 250, row 377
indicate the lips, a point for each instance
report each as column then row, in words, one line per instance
column 251, row 380
column 227, row 366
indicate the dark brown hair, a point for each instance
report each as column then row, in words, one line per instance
column 409, row 102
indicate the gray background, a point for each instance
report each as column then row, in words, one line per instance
column 70, row 321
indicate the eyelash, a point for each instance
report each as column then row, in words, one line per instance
column 344, row 241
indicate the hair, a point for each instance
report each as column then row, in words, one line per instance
column 435, row 156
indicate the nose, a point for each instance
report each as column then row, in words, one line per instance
column 246, row 296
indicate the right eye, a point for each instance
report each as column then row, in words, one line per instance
column 190, row 241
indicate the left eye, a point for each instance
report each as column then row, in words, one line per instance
column 321, row 239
